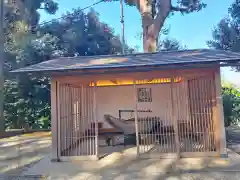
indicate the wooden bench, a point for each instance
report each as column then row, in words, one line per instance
column 110, row 135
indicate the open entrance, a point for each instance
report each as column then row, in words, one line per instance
column 160, row 117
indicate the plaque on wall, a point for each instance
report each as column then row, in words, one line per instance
column 144, row 94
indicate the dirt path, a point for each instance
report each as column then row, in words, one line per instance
column 18, row 153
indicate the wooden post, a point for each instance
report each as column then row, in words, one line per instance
column 136, row 116
column 175, row 123
column 220, row 116
column 95, row 118
column 54, row 120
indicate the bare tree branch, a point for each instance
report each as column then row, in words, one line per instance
column 164, row 9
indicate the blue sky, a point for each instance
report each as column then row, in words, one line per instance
column 192, row 30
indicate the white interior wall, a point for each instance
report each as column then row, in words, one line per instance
column 111, row 99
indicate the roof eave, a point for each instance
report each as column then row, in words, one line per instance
column 131, row 68
column 94, row 71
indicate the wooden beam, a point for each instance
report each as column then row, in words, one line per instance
column 86, row 79
column 132, row 69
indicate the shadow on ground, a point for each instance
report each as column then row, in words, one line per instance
column 125, row 166
column 18, row 153
column 119, row 165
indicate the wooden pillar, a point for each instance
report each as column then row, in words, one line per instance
column 174, row 115
column 221, row 136
column 95, row 118
column 54, row 120
column 136, row 115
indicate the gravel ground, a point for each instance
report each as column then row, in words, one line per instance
column 182, row 176
column 204, row 176
column 170, row 176
column 233, row 139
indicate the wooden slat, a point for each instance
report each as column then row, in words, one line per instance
column 136, row 115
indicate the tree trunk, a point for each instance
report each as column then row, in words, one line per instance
column 152, row 25
column 150, row 40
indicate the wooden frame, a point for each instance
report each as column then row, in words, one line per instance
column 187, row 74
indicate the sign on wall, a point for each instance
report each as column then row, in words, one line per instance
column 144, row 94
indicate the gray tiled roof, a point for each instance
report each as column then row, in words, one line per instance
column 163, row 58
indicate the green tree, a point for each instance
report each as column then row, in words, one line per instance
column 27, row 10
column 27, row 97
column 20, row 15
column 226, row 35
column 155, row 12
column 169, row 44
column 83, row 34
column 231, row 105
